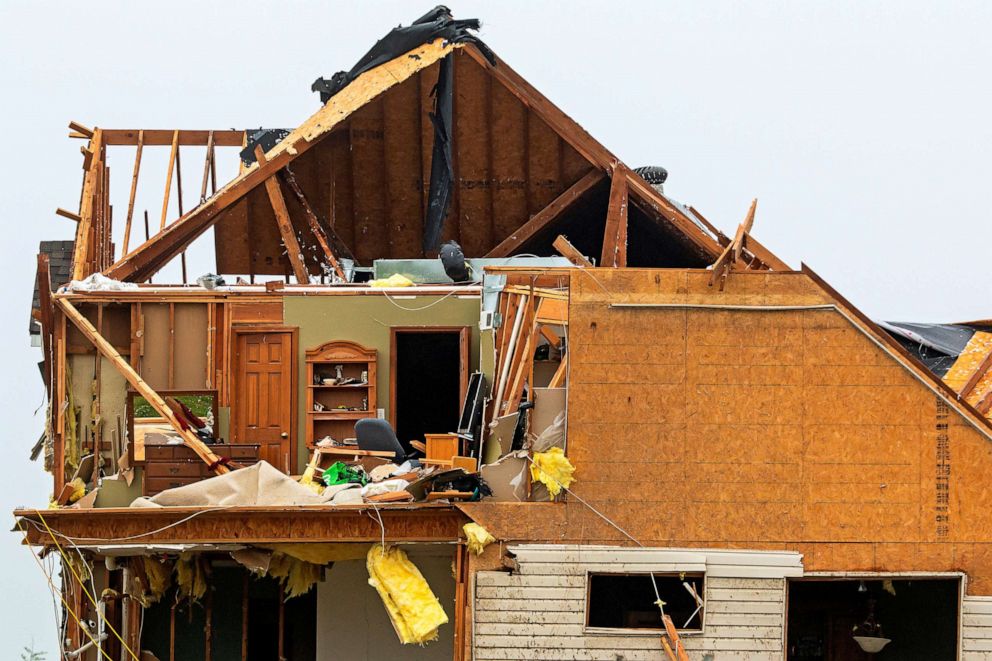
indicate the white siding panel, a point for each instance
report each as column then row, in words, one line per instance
column 743, row 620
column 976, row 629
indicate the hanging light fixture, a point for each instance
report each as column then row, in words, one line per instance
column 868, row 635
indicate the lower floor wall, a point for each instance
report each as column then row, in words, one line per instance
column 540, row 611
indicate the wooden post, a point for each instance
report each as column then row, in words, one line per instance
column 289, row 240
column 134, row 189
column 615, row 235
column 207, row 162
column 87, row 209
column 156, row 402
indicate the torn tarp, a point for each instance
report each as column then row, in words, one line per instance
column 435, row 24
column 936, row 345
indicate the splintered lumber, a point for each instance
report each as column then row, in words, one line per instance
column 315, row 227
column 87, row 204
column 728, row 258
column 570, row 252
column 559, row 377
column 132, row 377
column 293, row 250
column 79, row 128
column 134, row 189
column 615, row 234
column 547, row 215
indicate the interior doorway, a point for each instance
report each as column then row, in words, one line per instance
column 263, row 402
column 918, row 615
column 428, row 378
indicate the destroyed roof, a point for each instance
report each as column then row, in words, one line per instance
column 389, row 175
column 60, row 270
column 960, row 354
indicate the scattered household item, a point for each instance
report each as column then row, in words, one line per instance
column 413, row 609
column 453, row 259
column 340, row 473
column 211, row 281
column 378, row 435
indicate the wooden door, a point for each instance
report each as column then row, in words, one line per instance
column 263, row 407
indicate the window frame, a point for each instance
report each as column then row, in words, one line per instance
column 636, row 631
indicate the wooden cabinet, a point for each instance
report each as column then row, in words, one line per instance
column 340, row 389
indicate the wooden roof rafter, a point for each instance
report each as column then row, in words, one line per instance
column 151, row 256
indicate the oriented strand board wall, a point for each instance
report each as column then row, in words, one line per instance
column 539, row 613
column 758, row 429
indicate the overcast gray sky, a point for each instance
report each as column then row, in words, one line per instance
column 862, row 128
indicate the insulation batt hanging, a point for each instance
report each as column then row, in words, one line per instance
column 413, row 609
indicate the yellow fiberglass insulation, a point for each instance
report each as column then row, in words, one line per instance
column 478, row 537
column 191, row 576
column 157, row 580
column 297, row 576
column 413, row 609
column 553, row 470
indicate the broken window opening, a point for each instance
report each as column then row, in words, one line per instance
column 628, row 601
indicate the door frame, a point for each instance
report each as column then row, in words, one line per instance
column 464, row 349
column 294, row 413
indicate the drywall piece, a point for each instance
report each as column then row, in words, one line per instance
column 507, row 477
column 500, row 438
column 548, row 403
column 116, row 492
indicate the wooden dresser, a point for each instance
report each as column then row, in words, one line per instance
column 170, row 466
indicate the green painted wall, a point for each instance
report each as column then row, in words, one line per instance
column 368, row 320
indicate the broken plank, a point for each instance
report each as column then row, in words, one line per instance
column 289, row 240
column 615, row 234
column 570, row 252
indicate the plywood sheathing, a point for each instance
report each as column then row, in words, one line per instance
column 759, row 428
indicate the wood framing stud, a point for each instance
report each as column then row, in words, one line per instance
column 733, row 251
column 68, row 214
column 289, row 240
column 156, row 402
column 82, row 130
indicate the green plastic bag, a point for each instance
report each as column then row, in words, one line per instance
column 340, row 473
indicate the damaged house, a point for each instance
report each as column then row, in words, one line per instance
column 461, row 384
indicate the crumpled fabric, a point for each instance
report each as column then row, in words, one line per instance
column 553, row 470
column 413, row 608
column 478, row 537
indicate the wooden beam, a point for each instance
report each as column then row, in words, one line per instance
column 419, row 522
column 976, row 376
column 46, row 319
column 547, row 215
column 68, row 214
column 79, row 128
column 293, row 250
column 134, row 189
column 110, row 353
column 559, row 377
column 615, row 234
column 87, row 209
column 732, row 252
column 164, row 137
column 168, row 178
column 570, row 252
